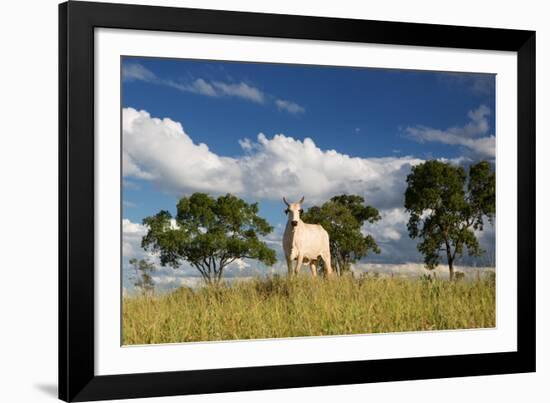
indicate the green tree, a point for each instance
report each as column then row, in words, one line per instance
column 144, row 280
column 446, row 206
column 209, row 233
column 342, row 217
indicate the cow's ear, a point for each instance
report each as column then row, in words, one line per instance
column 301, row 211
column 286, row 211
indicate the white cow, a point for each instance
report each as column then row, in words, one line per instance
column 303, row 242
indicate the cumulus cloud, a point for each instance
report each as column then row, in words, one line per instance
column 131, row 239
column 473, row 136
column 289, row 106
column 246, row 144
column 390, row 226
column 159, row 150
column 392, row 237
column 284, row 166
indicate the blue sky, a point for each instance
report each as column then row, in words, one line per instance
column 270, row 130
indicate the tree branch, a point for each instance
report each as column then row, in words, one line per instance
column 202, row 271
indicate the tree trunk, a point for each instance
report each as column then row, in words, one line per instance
column 338, row 264
column 450, row 259
column 348, row 264
column 220, row 274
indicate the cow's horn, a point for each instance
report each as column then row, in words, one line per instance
column 301, row 200
column 287, row 203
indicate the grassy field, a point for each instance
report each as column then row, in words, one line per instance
column 281, row 307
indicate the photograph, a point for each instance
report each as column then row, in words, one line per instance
column 266, row 200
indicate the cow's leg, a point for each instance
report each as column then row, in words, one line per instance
column 313, row 268
column 326, row 261
column 289, row 265
column 299, row 262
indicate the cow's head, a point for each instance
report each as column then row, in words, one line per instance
column 293, row 211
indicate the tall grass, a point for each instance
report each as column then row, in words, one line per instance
column 281, row 307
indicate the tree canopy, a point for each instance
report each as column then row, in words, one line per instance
column 209, row 233
column 446, row 206
column 342, row 217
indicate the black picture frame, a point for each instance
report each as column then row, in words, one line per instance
column 77, row 21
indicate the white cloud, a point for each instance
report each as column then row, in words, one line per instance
column 131, row 169
column 218, row 89
column 245, row 144
column 289, row 106
column 168, row 157
column 159, row 150
column 202, row 87
column 241, row 90
column 131, row 239
column 474, row 135
column 391, row 227
column 198, row 86
column 210, row 88
column 134, row 71
column 239, row 265
column 392, row 237
column 270, row 168
column 284, row 166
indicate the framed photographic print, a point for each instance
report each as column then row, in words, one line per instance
column 255, row 201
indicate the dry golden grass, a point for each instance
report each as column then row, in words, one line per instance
column 281, row 307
